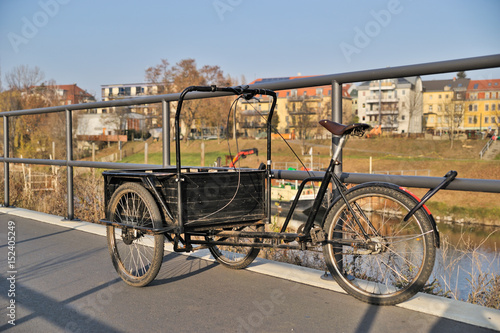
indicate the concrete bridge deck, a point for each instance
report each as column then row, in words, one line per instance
column 65, row 282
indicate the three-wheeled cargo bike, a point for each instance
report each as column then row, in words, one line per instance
column 378, row 240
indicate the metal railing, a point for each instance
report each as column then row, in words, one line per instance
column 336, row 80
column 486, row 147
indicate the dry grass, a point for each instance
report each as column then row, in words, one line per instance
column 464, row 261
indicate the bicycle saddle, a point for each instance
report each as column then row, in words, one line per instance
column 340, row 129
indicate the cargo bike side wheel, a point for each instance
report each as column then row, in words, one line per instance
column 396, row 260
column 235, row 256
column 136, row 256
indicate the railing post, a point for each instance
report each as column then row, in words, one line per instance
column 69, row 157
column 6, row 164
column 337, row 117
column 165, row 107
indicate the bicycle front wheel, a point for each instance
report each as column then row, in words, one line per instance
column 371, row 252
column 136, row 256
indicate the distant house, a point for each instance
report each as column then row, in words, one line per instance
column 297, row 110
column 483, row 108
column 151, row 112
column 72, row 94
column 394, row 104
column 442, row 103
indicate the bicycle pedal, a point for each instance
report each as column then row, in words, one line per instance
column 317, row 235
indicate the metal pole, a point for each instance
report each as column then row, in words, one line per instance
column 165, row 106
column 337, row 117
column 380, row 103
column 69, row 157
column 6, row 164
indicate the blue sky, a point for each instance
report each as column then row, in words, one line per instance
column 103, row 42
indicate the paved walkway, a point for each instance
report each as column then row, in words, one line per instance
column 65, row 281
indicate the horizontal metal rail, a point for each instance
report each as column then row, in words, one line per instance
column 367, row 75
column 336, row 80
column 459, row 184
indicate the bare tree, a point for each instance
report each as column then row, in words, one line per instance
column 453, row 112
column 183, row 74
column 414, row 101
column 23, row 77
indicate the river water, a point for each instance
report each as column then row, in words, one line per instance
column 467, row 250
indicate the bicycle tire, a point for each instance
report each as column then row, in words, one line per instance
column 235, row 257
column 136, row 257
column 398, row 259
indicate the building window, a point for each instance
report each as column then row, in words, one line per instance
column 475, row 86
column 493, row 107
column 470, row 107
column 487, row 95
column 439, row 96
column 486, row 107
column 492, row 120
column 403, row 117
column 430, row 108
column 486, row 120
column 475, row 107
column 430, row 96
column 470, row 120
column 319, row 92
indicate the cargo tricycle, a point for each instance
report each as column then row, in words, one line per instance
column 378, row 240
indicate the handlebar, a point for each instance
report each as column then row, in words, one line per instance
column 247, row 92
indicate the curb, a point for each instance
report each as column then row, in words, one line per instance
column 429, row 304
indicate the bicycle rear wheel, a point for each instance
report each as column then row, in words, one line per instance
column 232, row 256
column 396, row 260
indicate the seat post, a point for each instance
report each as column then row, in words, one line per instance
column 338, row 150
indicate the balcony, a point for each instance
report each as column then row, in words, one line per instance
column 383, row 100
column 384, row 86
column 305, row 98
column 384, row 112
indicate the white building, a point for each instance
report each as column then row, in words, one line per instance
column 151, row 112
column 394, row 104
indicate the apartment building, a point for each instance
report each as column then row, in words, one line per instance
column 297, row 111
column 393, row 104
column 138, row 117
column 483, row 106
column 444, row 104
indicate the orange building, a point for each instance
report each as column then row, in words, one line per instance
column 297, row 110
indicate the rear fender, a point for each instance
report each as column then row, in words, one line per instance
column 396, row 187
